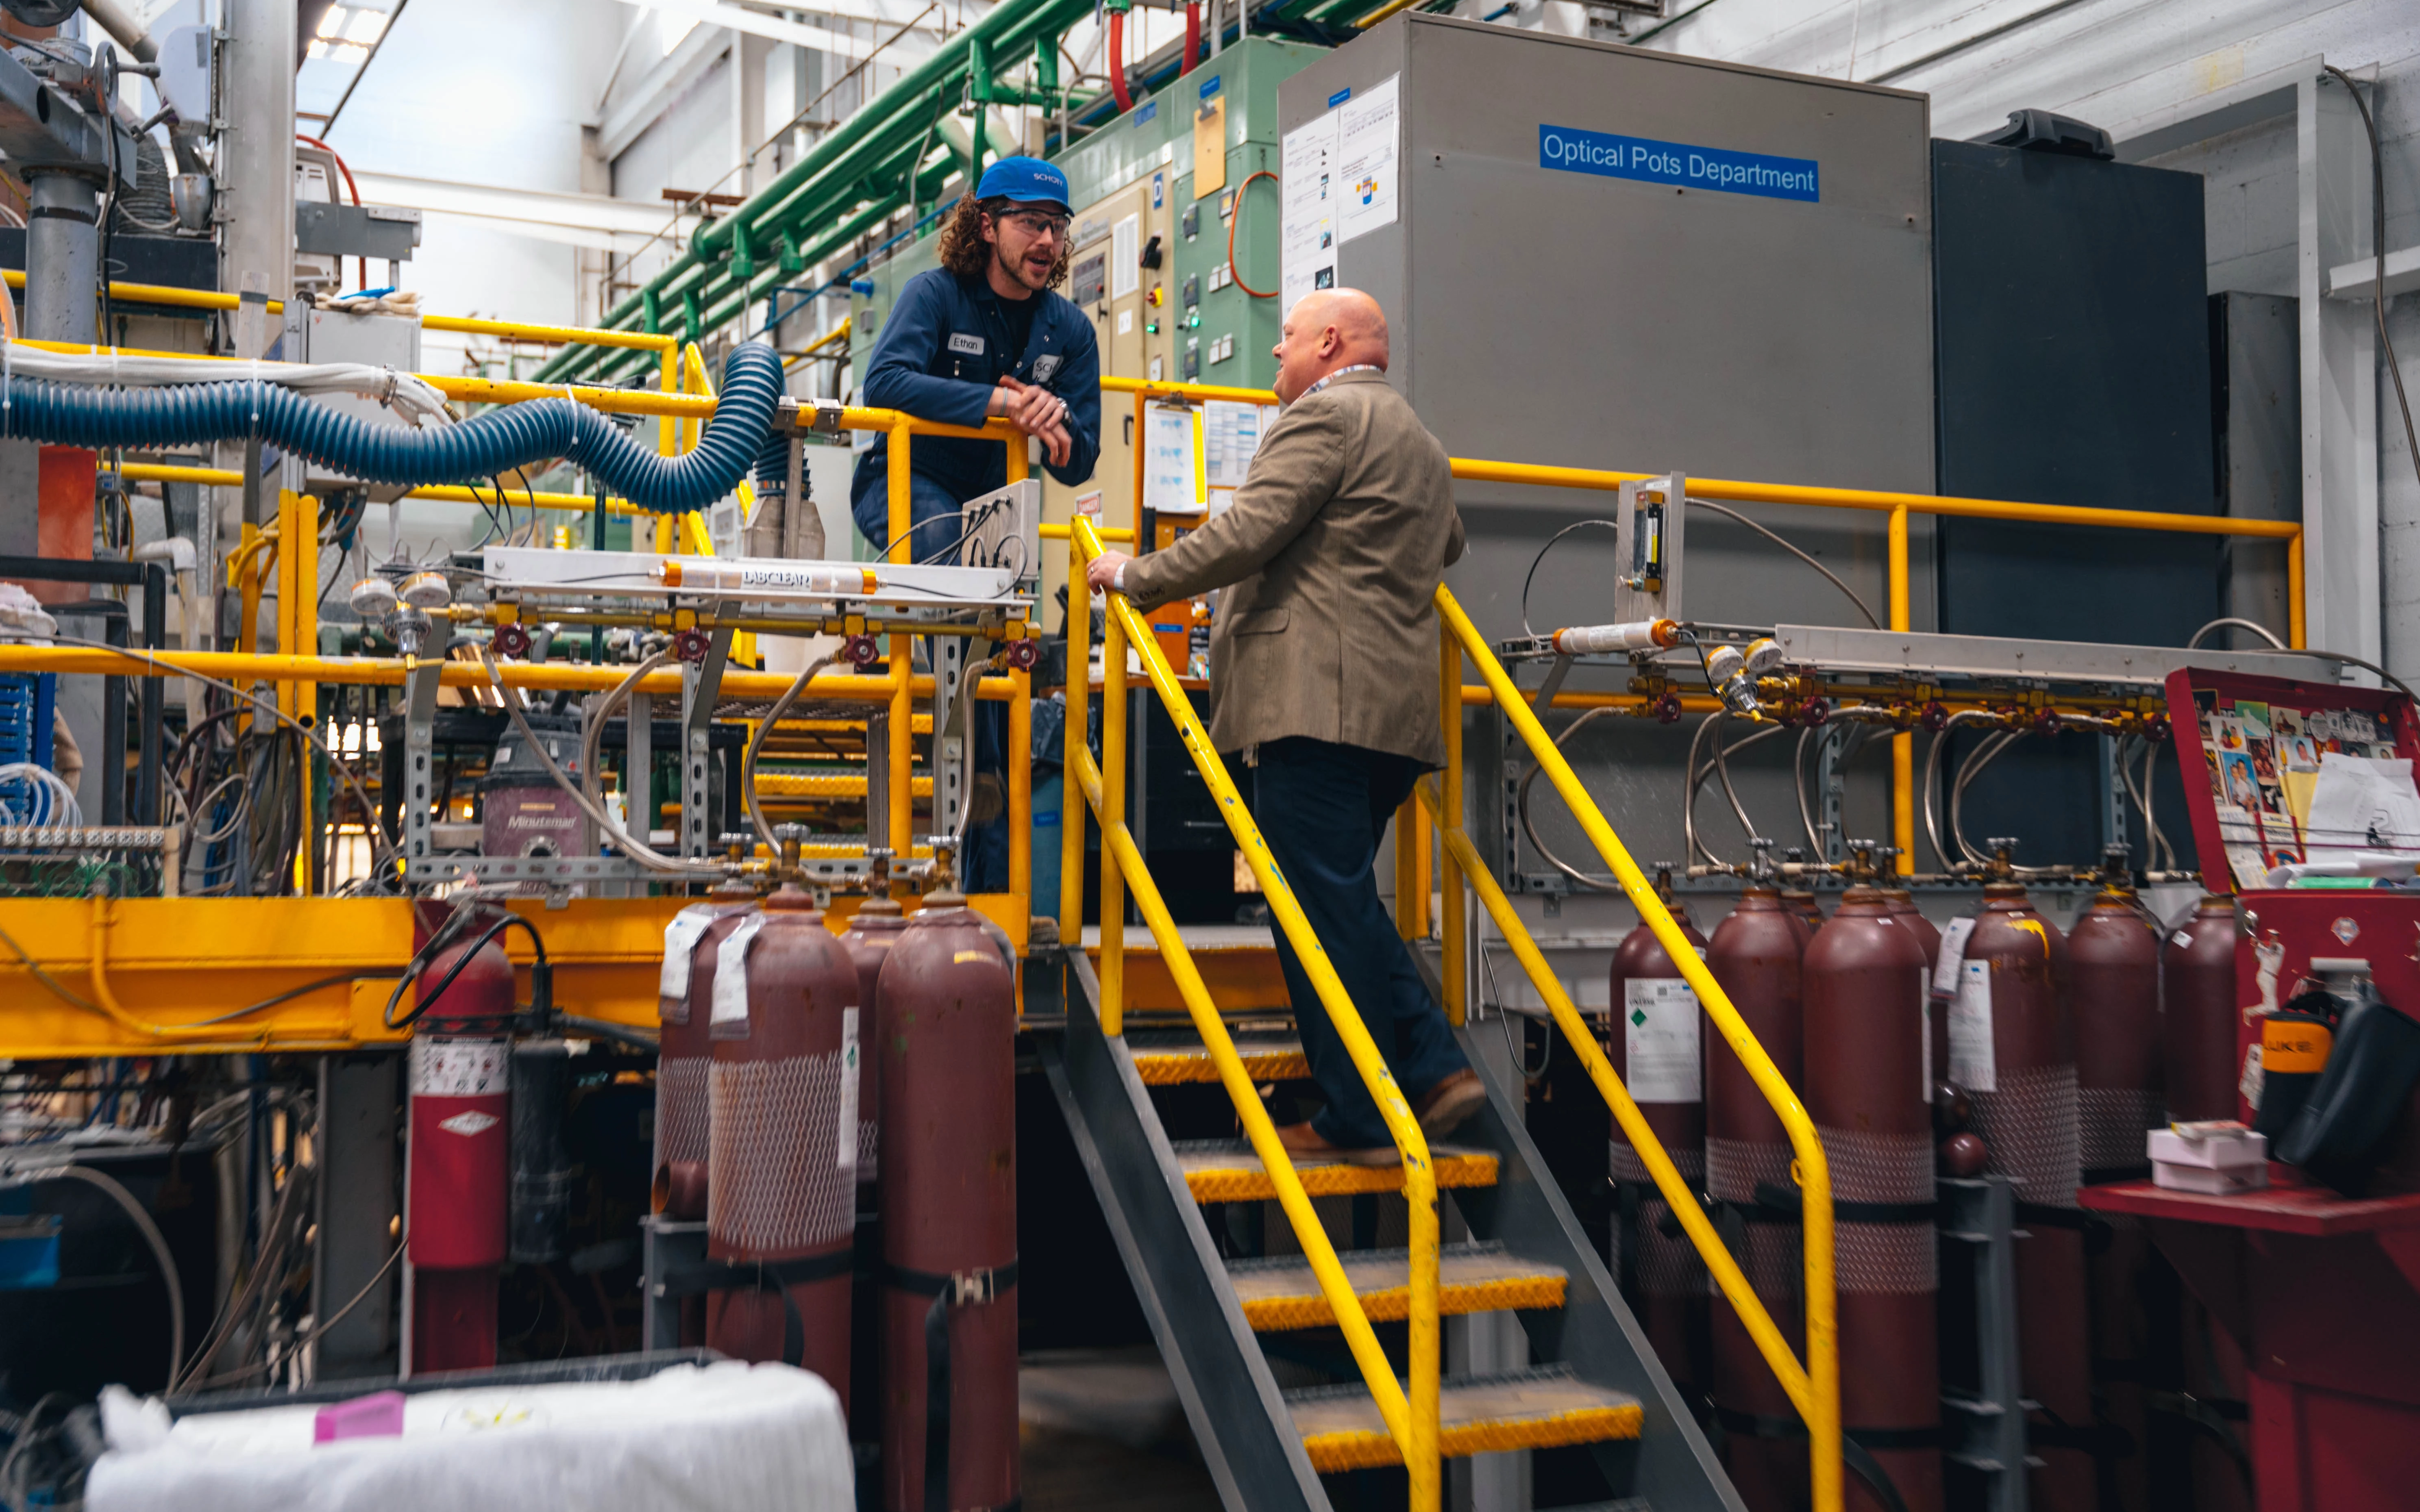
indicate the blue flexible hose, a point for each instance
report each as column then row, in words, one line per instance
column 496, row 440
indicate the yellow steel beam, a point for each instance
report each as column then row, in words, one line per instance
column 241, row 668
column 142, row 975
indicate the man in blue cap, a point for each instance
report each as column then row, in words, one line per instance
column 982, row 335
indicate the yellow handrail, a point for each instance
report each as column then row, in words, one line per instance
column 1126, row 857
column 1815, row 1390
column 1410, row 1416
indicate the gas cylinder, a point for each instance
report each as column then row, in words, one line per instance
column 2013, row 1049
column 1937, row 1033
column 1801, row 902
column 781, row 1214
column 683, row 1050
column 1655, row 1044
column 873, row 931
column 1755, row 954
column 2113, row 955
column 946, row 1047
column 454, row 1203
column 1870, row 1093
column 2198, row 1012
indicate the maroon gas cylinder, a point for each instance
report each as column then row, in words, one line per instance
column 683, row 1048
column 1936, row 1032
column 781, row 1213
column 1755, row 954
column 2013, row 1048
column 2198, row 1012
column 2112, row 964
column 460, row 1156
column 872, row 931
column 946, row 1004
column 1870, row 1093
column 1801, row 901
column 1656, row 1041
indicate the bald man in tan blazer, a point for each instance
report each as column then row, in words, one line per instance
column 1323, row 680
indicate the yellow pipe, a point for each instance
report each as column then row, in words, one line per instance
column 244, row 668
column 1416, row 1431
column 1051, row 531
column 1021, row 790
column 1142, row 388
column 836, row 333
column 1383, row 12
column 552, row 336
column 1316, row 1248
column 900, row 479
column 1822, row 1403
column 1902, row 744
column 1449, row 821
column 1114, row 811
column 1078, row 737
column 2296, row 627
column 450, row 493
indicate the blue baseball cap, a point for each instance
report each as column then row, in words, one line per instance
column 1027, row 181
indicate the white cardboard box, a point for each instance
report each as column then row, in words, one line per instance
column 2221, row 1160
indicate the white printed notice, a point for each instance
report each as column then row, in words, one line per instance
column 731, row 975
column 1973, row 1063
column 1172, row 464
column 1367, row 126
column 1307, row 227
column 1659, row 1034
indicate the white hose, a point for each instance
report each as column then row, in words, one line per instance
column 405, row 393
column 54, row 788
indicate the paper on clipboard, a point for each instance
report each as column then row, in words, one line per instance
column 2363, row 803
column 1171, row 478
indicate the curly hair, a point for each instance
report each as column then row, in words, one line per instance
column 965, row 253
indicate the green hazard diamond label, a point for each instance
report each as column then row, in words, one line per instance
column 1638, row 1015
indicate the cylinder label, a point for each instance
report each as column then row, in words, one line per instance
column 1659, row 1034
column 680, row 940
column 1972, row 1063
column 1924, row 1029
column 460, row 1067
column 731, row 976
column 845, row 1140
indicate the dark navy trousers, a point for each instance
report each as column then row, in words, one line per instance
column 1324, row 809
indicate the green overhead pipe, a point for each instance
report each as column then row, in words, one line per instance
column 1011, row 25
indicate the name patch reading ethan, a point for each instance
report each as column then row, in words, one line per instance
column 1678, row 163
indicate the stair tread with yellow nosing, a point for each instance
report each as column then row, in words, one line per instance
column 1282, row 1292
column 1169, row 1059
column 1226, row 1171
column 1539, row 1409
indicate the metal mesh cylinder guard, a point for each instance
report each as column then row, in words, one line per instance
column 783, row 1178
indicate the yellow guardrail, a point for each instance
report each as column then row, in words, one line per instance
column 1899, row 506
column 1410, row 1414
column 1814, row 1388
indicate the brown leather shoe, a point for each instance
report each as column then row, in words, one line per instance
column 1449, row 1104
column 1305, row 1143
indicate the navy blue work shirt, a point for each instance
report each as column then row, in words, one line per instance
column 945, row 347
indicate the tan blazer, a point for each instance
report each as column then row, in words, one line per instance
column 1330, row 556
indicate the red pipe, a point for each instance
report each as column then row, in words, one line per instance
column 1118, row 62
column 1192, row 37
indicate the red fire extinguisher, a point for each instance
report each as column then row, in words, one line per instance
column 461, row 1157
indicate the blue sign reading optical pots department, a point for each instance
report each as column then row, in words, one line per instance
column 1678, row 163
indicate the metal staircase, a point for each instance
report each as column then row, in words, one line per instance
column 1227, row 1312
column 1591, row 1380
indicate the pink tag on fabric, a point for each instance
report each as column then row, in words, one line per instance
column 379, row 1415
